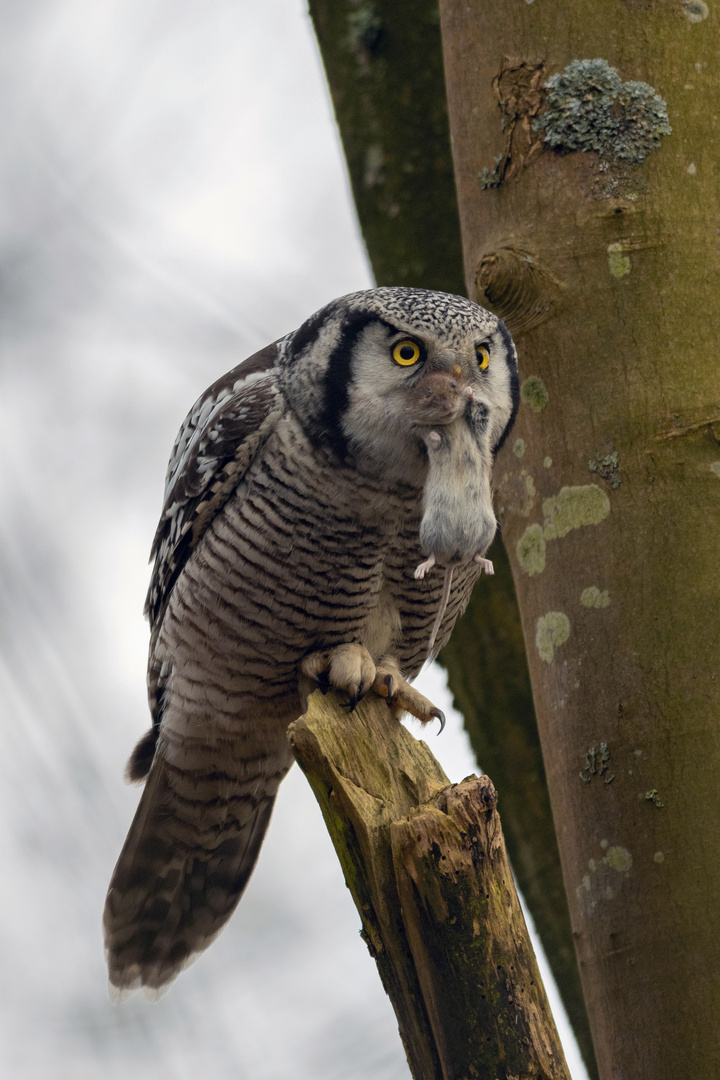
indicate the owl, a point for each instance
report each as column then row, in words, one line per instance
column 327, row 511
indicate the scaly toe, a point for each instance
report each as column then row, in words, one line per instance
column 401, row 696
column 348, row 668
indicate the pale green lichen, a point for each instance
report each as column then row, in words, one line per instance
column 491, row 178
column 589, row 107
column 715, row 467
column 534, row 393
column 363, row 29
column 547, row 462
column 653, row 796
column 551, row 632
column 572, row 508
column 530, row 550
column 597, row 764
column 516, row 493
column 519, row 448
column 607, row 467
column 619, row 858
column 695, row 11
column 592, row 597
column 659, row 857
column 374, row 166
column 618, row 261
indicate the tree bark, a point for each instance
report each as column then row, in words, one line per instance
column 384, row 67
column 426, row 866
column 597, row 241
column 385, row 71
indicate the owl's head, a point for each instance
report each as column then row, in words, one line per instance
column 372, row 372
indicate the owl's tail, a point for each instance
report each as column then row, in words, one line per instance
column 188, row 856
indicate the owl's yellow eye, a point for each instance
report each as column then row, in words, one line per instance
column 483, row 356
column 406, row 353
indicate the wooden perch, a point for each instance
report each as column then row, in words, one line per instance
column 426, row 865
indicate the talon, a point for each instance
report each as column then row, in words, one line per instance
column 401, row 697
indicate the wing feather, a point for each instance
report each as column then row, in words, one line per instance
column 216, row 444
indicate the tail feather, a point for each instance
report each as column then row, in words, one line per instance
column 191, row 849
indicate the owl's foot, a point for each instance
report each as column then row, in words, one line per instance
column 348, row 668
column 401, row 696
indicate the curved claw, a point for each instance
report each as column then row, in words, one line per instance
column 440, row 715
column 389, row 684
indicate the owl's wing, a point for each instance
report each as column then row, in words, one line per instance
column 216, row 444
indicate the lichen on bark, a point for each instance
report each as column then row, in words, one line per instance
column 589, row 107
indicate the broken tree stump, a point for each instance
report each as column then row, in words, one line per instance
column 425, row 863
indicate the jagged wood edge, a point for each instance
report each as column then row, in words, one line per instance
column 425, row 863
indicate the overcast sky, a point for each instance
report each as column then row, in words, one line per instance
column 173, row 197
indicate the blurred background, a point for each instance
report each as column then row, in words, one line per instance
column 173, row 197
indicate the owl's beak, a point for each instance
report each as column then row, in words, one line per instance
column 440, row 395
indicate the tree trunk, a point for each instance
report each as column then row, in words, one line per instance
column 425, row 863
column 593, row 232
column 487, row 672
column 384, row 68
